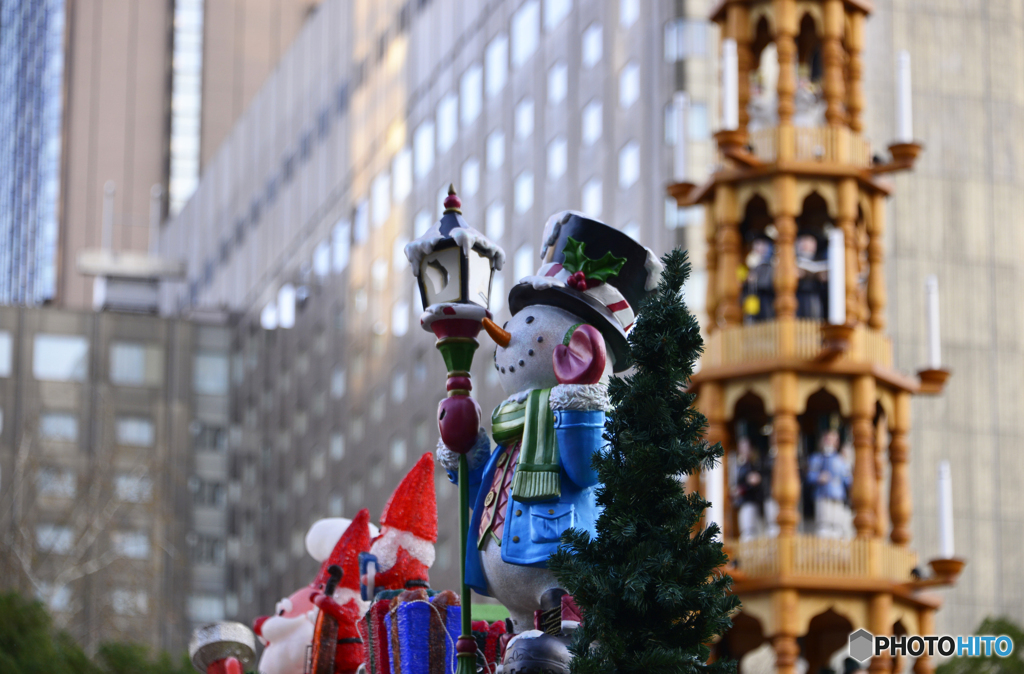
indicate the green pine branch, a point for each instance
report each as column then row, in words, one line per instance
column 650, row 585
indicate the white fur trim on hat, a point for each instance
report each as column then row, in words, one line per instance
column 325, row 534
column 385, row 548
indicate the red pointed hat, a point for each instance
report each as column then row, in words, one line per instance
column 346, row 551
column 413, row 505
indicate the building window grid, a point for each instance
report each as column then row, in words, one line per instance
column 186, row 101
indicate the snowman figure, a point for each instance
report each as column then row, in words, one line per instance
column 566, row 337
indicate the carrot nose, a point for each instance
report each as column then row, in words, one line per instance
column 501, row 337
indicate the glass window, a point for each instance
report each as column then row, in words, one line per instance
column 133, row 488
column 341, row 245
column 401, row 170
column 554, row 12
column 629, row 12
column 629, row 164
column 131, row 544
column 523, row 189
column 629, row 85
column 210, row 438
column 5, row 353
column 60, row 358
column 495, row 149
column 447, row 122
column 379, row 274
column 523, row 261
column 128, row 363
column 399, row 386
column 557, row 158
column 592, row 198
column 442, row 194
column 361, row 221
column 592, row 122
column 697, row 121
column 61, row 483
column 268, row 316
column 421, row 223
column 496, row 62
column 57, row 538
column 135, row 431
column 671, row 213
column 525, row 32
column 207, row 492
column 470, row 177
column 632, row 230
column 337, row 446
column 57, row 599
column 205, row 608
column 338, row 382
column 524, row 119
column 380, row 198
column 672, row 41
column 398, row 258
column 129, row 602
column 58, row 426
column 322, row 259
column 593, row 46
column 471, row 92
column 400, row 318
column 691, row 36
column 558, row 83
column 495, row 220
column 210, row 374
column 335, row 505
column 398, row 453
column 423, row 149
column 285, row 307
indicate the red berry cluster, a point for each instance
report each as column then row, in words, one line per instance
column 579, row 281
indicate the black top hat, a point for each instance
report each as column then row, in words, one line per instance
column 619, row 273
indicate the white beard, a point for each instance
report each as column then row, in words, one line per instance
column 288, row 639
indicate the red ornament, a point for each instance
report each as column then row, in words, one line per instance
column 458, row 420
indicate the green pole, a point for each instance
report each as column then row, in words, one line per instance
column 467, row 661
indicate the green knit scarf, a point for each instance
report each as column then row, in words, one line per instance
column 538, row 472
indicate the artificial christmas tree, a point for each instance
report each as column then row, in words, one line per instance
column 649, row 583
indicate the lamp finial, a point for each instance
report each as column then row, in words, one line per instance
column 452, row 203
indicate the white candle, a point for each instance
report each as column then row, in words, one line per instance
column 730, row 86
column 945, row 511
column 931, row 294
column 904, row 113
column 714, row 492
column 681, row 106
column 836, row 277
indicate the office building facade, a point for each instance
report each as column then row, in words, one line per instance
column 298, row 227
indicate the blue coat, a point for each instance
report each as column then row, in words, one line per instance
column 542, row 523
column 840, row 478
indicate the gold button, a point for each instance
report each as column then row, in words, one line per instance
column 502, row 459
column 515, row 539
column 489, row 499
column 518, row 513
column 551, row 511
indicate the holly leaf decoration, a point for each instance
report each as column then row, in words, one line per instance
column 595, row 270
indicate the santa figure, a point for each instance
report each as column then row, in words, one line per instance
column 287, row 635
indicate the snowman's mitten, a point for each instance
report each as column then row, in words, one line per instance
column 580, row 397
column 476, row 457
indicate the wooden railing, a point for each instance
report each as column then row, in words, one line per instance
column 822, row 143
column 761, row 342
column 824, row 558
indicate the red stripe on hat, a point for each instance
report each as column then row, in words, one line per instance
column 555, row 268
column 628, row 327
column 618, row 306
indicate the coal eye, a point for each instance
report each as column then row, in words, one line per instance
column 529, row 319
column 540, row 338
column 281, row 612
column 511, row 368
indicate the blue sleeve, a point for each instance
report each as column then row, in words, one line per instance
column 580, row 436
column 813, row 468
column 475, row 479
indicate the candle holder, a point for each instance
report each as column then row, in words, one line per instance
column 904, row 156
column 933, row 380
column 947, row 570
